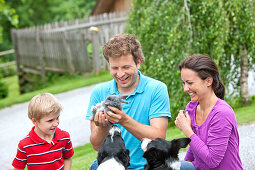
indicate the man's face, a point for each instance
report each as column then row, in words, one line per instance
column 125, row 72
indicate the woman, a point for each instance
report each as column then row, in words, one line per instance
column 208, row 120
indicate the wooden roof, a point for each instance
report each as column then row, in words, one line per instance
column 107, row 6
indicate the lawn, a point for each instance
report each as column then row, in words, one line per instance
column 62, row 84
column 85, row 155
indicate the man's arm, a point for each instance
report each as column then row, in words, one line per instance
column 99, row 130
column 67, row 164
column 156, row 129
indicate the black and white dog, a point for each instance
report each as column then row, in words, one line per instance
column 113, row 155
column 161, row 154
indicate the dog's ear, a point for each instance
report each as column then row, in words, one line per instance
column 180, row 143
column 100, row 156
column 183, row 142
column 124, row 157
column 154, row 158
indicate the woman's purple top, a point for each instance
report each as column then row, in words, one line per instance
column 215, row 143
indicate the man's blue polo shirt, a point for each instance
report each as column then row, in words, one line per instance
column 149, row 100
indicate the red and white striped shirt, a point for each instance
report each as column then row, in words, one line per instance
column 38, row 154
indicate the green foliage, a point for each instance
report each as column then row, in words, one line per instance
column 8, row 71
column 3, row 89
column 172, row 30
column 33, row 13
column 70, row 9
column 7, row 16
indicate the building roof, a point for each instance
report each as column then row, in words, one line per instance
column 107, row 6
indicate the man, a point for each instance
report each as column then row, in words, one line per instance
column 148, row 110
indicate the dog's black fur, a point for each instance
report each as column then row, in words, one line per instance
column 114, row 147
column 111, row 100
column 161, row 154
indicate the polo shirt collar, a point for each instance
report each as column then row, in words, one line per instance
column 37, row 139
column 139, row 89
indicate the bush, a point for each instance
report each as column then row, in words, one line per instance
column 3, row 89
column 172, row 30
column 8, row 71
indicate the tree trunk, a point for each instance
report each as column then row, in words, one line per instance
column 244, row 77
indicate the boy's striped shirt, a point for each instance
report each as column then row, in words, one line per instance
column 38, row 154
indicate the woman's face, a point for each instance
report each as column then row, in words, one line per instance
column 194, row 85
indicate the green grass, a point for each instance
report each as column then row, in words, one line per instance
column 85, row 155
column 246, row 114
column 62, row 84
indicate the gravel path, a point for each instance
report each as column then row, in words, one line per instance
column 14, row 125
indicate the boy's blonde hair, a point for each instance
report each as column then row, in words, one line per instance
column 43, row 105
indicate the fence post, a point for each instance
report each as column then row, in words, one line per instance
column 68, row 53
column 95, row 49
column 17, row 57
column 40, row 54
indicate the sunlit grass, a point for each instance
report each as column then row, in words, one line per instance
column 63, row 84
column 86, row 155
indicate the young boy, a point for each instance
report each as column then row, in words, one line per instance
column 46, row 146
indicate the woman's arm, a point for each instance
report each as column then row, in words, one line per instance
column 213, row 151
column 189, row 156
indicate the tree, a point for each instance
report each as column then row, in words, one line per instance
column 39, row 12
column 7, row 15
column 172, row 30
column 241, row 16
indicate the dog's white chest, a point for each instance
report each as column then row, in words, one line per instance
column 174, row 165
column 111, row 164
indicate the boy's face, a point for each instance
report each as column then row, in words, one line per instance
column 47, row 125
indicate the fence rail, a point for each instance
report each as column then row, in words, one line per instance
column 7, row 52
column 69, row 46
column 2, row 53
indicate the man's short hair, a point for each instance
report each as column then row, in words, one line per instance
column 123, row 44
column 43, row 105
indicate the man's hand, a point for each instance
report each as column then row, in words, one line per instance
column 100, row 119
column 118, row 117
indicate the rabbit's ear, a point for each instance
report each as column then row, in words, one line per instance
column 122, row 99
column 123, row 96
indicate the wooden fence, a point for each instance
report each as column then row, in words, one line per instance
column 72, row 46
column 2, row 65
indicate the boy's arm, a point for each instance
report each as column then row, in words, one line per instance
column 67, row 164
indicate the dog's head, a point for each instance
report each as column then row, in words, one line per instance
column 162, row 154
column 114, row 148
column 115, row 101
